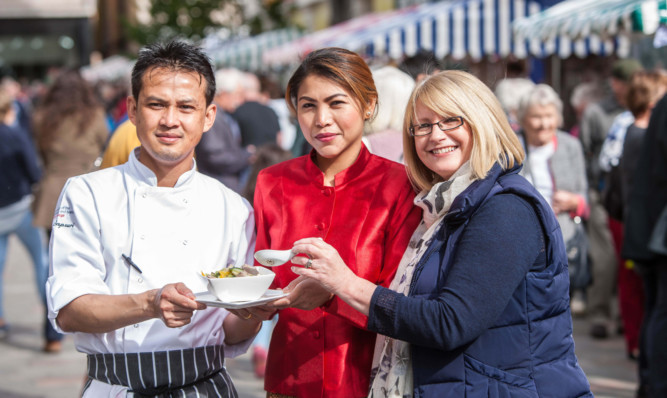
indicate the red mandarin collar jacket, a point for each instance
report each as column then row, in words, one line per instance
column 369, row 217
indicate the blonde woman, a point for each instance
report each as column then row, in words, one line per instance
column 479, row 305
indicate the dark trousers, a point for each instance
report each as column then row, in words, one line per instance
column 653, row 344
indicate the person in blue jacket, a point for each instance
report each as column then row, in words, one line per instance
column 19, row 171
column 479, row 306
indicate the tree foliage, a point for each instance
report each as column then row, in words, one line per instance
column 273, row 16
column 186, row 19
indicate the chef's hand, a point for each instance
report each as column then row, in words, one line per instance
column 304, row 294
column 258, row 313
column 175, row 304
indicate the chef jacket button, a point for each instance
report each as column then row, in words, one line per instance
column 326, row 192
column 320, row 226
column 185, row 242
column 316, row 334
column 140, row 279
column 136, row 325
column 143, row 195
column 185, row 200
column 142, row 237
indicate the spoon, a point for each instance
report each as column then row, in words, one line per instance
column 273, row 258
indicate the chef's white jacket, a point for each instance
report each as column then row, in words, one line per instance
column 170, row 233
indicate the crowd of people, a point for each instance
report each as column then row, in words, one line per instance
column 384, row 182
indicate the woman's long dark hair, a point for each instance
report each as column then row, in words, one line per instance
column 69, row 96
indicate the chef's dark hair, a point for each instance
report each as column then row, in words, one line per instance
column 175, row 56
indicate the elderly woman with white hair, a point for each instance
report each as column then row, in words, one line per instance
column 383, row 136
column 555, row 166
column 509, row 92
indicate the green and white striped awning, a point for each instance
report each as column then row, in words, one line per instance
column 579, row 18
column 607, row 24
column 245, row 53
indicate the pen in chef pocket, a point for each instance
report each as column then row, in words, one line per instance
column 131, row 263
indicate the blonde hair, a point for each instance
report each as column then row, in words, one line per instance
column 458, row 93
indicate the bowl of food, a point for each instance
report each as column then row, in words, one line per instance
column 239, row 284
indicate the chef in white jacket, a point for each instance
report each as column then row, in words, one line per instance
column 128, row 244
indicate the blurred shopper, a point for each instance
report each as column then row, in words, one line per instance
column 583, row 95
column 647, row 200
column 479, row 304
column 259, row 123
column 22, row 105
column 509, row 92
column 422, row 64
column 219, row 153
column 275, row 99
column 646, row 88
column 266, row 156
column 113, row 97
column 19, row 171
column 555, row 166
column 122, row 142
column 71, row 130
column 595, row 124
column 383, row 135
column 358, row 202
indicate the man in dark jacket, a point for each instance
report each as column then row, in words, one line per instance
column 596, row 122
column 219, row 153
column 259, row 123
column 646, row 201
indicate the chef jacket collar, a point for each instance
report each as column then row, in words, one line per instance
column 344, row 176
column 147, row 176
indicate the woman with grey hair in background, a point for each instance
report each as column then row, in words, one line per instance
column 509, row 92
column 555, row 166
column 383, row 136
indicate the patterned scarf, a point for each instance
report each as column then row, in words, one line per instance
column 391, row 373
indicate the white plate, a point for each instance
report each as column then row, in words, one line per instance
column 209, row 299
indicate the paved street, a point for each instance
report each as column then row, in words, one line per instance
column 26, row 372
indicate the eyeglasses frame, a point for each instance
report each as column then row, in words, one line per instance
column 412, row 128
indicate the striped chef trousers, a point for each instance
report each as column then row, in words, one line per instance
column 193, row 372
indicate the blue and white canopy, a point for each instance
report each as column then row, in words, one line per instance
column 456, row 28
column 582, row 27
column 246, row 52
column 474, row 28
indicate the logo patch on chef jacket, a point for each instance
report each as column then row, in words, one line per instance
column 63, row 218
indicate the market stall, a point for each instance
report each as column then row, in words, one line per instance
column 459, row 29
column 583, row 27
column 246, row 53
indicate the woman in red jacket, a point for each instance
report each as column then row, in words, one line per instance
column 359, row 203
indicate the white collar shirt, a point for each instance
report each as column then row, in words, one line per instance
column 170, row 233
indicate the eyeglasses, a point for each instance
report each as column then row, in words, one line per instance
column 447, row 124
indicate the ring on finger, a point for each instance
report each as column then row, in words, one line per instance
column 309, row 264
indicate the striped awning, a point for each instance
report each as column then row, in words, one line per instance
column 293, row 52
column 581, row 27
column 246, row 52
column 456, row 28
